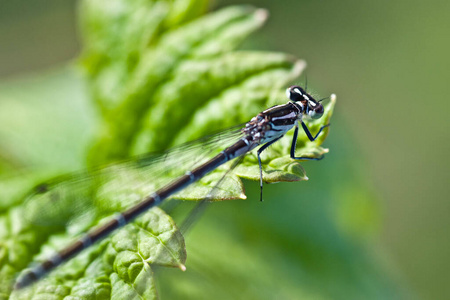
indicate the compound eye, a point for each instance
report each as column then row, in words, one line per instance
column 295, row 93
column 315, row 110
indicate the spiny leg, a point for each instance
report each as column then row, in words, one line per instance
column 310, row 137
column 260, row 150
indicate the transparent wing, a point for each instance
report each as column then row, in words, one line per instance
column 215, row 193
column 86, row 196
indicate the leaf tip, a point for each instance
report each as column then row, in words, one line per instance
column 298, row 68
column 333, row 97
column 261, row 15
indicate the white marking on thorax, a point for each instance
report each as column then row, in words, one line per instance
column 282, row 129
column 291, row 115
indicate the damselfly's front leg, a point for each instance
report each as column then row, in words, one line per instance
column 310, row 137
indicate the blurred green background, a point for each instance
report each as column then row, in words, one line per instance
column 388, row 63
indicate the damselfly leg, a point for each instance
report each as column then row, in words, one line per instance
column 310, row 137
column 260, row 150
column 292, row 152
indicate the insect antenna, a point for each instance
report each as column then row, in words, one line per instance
column 323, row 99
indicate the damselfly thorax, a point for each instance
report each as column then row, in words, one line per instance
column 273, row 123
column 263, row 130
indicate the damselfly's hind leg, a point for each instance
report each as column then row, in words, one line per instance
column 310, row 137
column 260, row 150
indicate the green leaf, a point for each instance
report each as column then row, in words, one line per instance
column 118, row 266
column 199, row 82
column 160, row 76
column 118, row 33
column 207, row 37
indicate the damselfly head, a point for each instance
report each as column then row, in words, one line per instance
column 312, row 108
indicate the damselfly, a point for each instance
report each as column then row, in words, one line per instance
column 263, row 130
